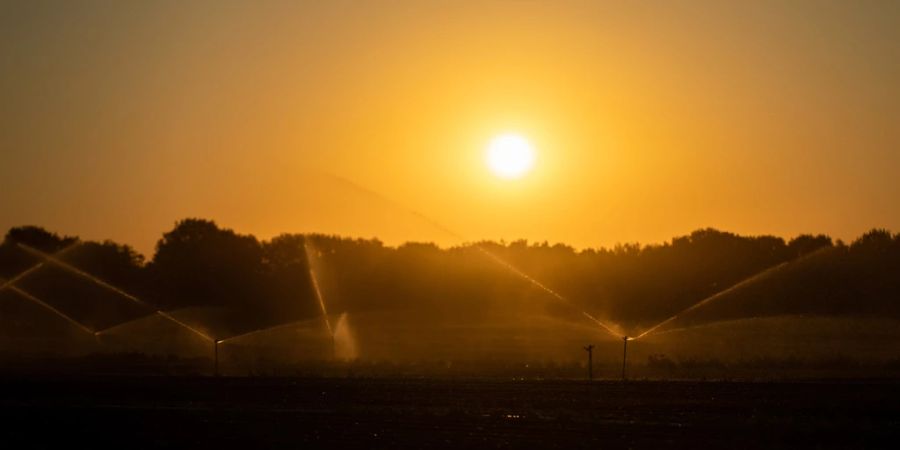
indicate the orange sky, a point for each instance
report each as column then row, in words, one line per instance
column 650, row 119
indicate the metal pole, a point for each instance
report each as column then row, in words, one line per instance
column 216, row 351
column 624, row 354
column 590, row 350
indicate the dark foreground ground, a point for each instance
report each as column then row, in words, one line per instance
column 255, row 413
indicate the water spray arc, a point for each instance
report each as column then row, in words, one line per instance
column 603, row 325
column 261, row 330
column 318, row 292
column 609, row 329
column 53, row 260
column 10, row 284
column 655, row 329
column 115, row 289
column 320, row 299
column 36, row 267
column 49, row 307
column 749, row 280
column 746, row 281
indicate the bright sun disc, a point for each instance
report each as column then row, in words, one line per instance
column 510, row 156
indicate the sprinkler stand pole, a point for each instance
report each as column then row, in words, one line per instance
column 590, row 351
column 216, row 353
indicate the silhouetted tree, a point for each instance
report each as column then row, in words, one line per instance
column 288, row 283
column 807, row 243
column 200, row 264
column 39, row 238
column 875, row 240
column 14, row 260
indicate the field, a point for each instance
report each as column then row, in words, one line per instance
column 210, row 412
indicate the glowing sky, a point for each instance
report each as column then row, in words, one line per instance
column 649, row 119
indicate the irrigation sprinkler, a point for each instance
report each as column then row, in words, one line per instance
column 608, row 327
column 48, row 307
column 625, row 340
column 590, row 351
column 68, row 267
column 746, row 281
column 15, row 279
column 318, row 291
column 11, row 285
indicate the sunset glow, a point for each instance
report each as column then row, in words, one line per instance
column 658, row 120
column 466, row 224
column 510, row 156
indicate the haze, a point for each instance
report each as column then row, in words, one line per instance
column 649, row 120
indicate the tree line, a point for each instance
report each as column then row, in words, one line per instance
column 252, row 283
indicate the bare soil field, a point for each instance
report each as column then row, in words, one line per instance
column 257, row 413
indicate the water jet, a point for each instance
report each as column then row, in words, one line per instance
column 608, row 328
column 49, row 307
column 10, row 284
column 318, row 292
column 749, row 280
column 15, row 279
column 104, row 284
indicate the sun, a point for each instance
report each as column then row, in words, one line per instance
column 510, row 156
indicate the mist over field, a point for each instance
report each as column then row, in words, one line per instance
column 707, row 298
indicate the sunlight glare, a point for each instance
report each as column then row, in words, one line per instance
column 510, row 156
